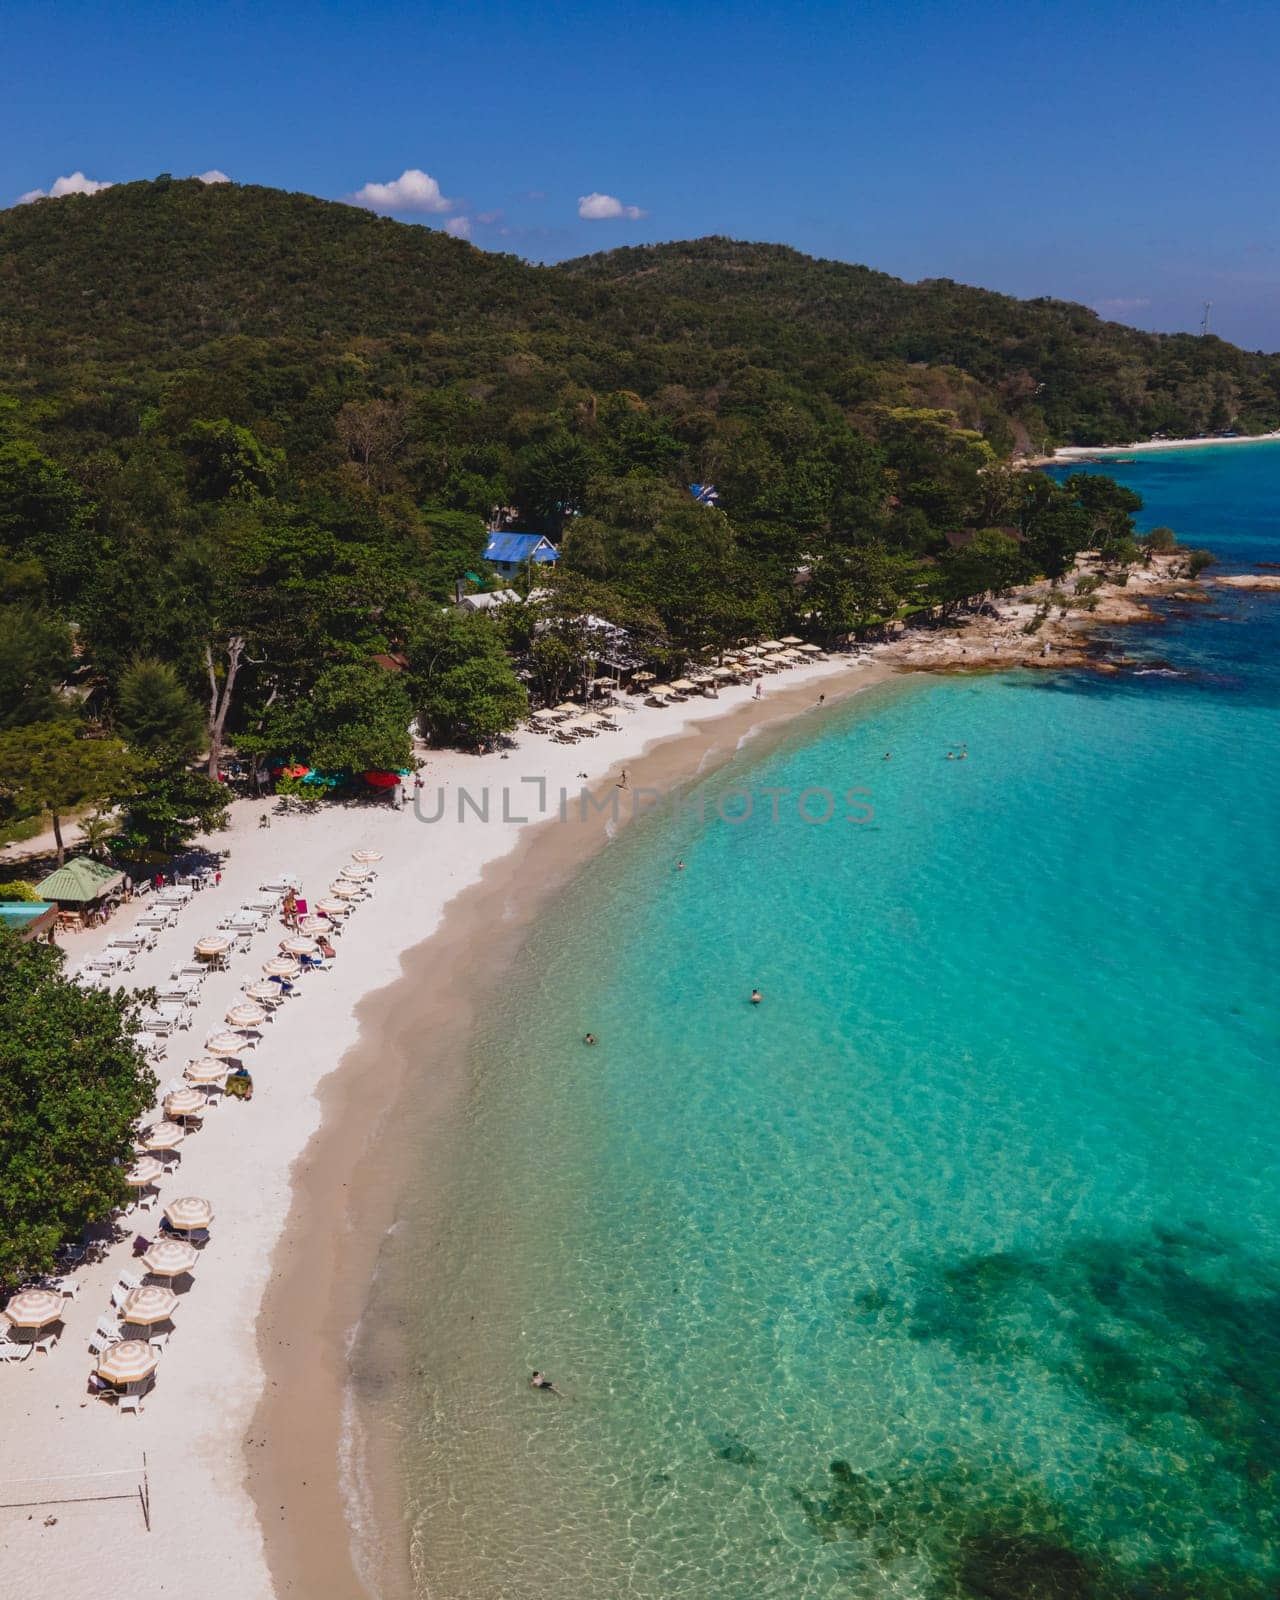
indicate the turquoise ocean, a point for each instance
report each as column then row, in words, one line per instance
column 952, row 1268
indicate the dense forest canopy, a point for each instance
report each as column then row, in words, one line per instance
column 249, row 443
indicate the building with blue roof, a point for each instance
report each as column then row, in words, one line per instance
column 511, row 552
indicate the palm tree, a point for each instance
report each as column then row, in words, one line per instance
column 96, row 833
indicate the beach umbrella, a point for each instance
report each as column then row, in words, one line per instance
column 246, row 1015
column 281, row 967
column 189, row 1212
column 346, row 891
column 148, row 1305
column 164, row 1136
column 299, row 947
column 366, row 855
column 143, row 1172
column 333, row 908
column 206, row 1070
column 128, row 1362
column 184, row 1103
column 643, row 677
column 212, row 944
column 723, row 672
column 170, row 1258
column 812, row 649
column 314, row 925
column 772, row 644
column 682, row 684
column 356, row 874
column 268, row 994
column 790, row 638
column 35, row 1308
column 224, row 1044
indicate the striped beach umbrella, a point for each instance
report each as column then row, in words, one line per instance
column 212, row 944
column 356, row 874
column 345, row 891
column 366, row 855
column 149, row 1304
column 266, row 993
column 333, row 908
column 281, row 967
column 35, row 1308
column 164, row 1136
column 184, row 1103
column 313, row 925
column 128, row 1362
column 189, row 1212
column 143, row 1172
column 246, row 1015
column 170, row 1258
column 299, row 947
column 224, row 1044
column 205, row 1071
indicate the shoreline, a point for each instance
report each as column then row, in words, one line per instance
column 441, row 987
column 319, row 1458
column 1082, row 452
column 252, row 1395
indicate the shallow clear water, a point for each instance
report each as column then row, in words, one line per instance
column 954, row 1266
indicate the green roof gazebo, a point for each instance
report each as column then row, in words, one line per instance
column 79, row 881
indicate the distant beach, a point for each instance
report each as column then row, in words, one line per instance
column 1077, row 452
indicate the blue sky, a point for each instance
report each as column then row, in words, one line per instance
column 1122, row 155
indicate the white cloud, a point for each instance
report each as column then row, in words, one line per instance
column 76, row 183
column 413, row 190
column 459, row 227
column 600, row 207
column 213, row 176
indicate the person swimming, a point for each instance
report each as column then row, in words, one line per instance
column 589, row 1038
column 679, row 866
column 756, row 997
column 540, row 1380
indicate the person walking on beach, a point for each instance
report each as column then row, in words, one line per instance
column 622, row 781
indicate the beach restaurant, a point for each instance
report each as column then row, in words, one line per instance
column 78, row 886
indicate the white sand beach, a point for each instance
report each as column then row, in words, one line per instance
column 1075, row 452
column 211, row 1532
column 60, row 1448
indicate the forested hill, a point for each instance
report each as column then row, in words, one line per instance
column 1058, row 366
column 151, row 278
column 250, row 443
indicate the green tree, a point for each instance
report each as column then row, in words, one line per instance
column 457, row 540
column 165, row 807
column 155, row 713
column 97, row 832
column 73, row 1084
column 228, row 462
column 854, row 586
column 990, row 561
column 44, row 517
column 462, row 684
column 34, row 650
column 355, row 719
column 50, row 767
